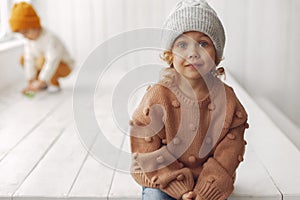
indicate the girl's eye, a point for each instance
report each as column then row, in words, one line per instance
column 203, row 44
column 182, row 45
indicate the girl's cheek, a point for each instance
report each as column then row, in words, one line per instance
column 178, row 55
column 177, row 59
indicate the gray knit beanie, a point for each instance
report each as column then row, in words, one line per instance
column 194, row 15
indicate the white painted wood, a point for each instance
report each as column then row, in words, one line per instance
column 279, row 156
column 57, row 171
column 20, row 119
column 253, row 180
column 275, row 48
column 11, row 95
column 124, row 187
column 282, row 121
column 291, row 102
column 10, row 70
column 2, row 105
column 9, row 44
column 5, row 197
column 105, row 118
column 83, row 26
column 22, row 160
column 124, row 161
column 98, row 10
column 291, row 197
column 236, row 37
column 93, row 181
column 114, row 11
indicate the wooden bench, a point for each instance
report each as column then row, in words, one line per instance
column 42, row 157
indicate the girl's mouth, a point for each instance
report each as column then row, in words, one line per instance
column 195, row 66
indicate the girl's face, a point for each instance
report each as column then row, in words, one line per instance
column 31, row 34
column 194, row 55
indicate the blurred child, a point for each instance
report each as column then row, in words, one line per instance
column 45, row 57
column 187, row 134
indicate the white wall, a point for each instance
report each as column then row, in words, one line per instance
column 84, row 24
column 262, row 49
column 262, row 37
column 10, row 69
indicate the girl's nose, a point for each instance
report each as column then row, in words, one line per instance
column 194, row 53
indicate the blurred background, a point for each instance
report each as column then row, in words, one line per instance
column 261, row 50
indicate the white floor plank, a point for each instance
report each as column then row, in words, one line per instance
column 106, row 120
column 16, row 166
column 3, row 105
column 55, row 174
column 19, row 120
column 253, row 180
column 283, row 122
column 124, row 187
column 10, row 95
column 93, row 181
column 11, row 91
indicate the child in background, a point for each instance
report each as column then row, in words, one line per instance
column 187, row 134
column 45, row 58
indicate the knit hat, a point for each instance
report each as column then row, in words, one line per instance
column 194, row 15
column 23, row 16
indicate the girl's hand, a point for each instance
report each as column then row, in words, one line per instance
column 38, row 85
column 34, row 86
column 188, row 196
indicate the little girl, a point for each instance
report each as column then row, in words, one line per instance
column 45, row 58
column 187, row 134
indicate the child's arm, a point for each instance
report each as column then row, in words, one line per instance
column 217, row 177
column 29, row 68
column 153, row 165
column 53, row 56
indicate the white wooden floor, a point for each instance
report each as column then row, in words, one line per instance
column 42, row 157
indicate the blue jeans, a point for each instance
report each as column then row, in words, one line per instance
column 154, row 194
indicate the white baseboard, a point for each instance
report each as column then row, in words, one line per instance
column 281, row 120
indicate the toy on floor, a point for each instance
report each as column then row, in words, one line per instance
column 29, row 94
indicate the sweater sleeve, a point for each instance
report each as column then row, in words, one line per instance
column 53, row 56
column 217, row 177
column 153, row 165
column 29, row 68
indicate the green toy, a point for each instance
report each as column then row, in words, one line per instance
column 29, row 94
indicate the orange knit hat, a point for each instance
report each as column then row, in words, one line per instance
column 23, row 16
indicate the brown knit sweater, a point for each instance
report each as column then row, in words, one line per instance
column 180, row 144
